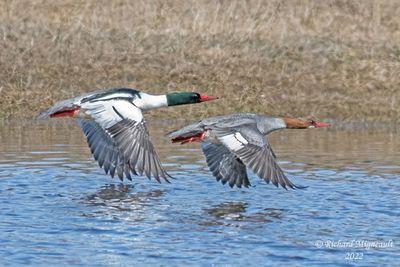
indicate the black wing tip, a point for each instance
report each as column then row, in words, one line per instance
column 166, row 176
column 277, row 185
column 242, row 186
column 292, row 186
column 233, row 185
column 169, row 177
column 300, row 187
column 165, row 179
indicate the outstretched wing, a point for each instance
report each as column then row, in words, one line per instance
column 225, row 166
column 132, row 139
column 248, row 144
column 105, row 150
column 119, row 140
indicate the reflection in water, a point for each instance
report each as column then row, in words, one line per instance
column 113, row 199
column 110, row 192
column 228, row 210
column 55, row 203
column 226, row 213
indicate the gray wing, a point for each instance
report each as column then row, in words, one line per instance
column 105, row 150
column 225, row 121
column 133, row 139
column 123, row 148
column 248, row 144
column 231, row 120
column 225, row 166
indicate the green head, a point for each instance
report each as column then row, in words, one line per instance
column 183, row 98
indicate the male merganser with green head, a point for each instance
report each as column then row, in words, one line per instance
column 115, row 129
column 233, row 142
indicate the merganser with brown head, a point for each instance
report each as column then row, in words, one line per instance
column 231, row 143
column 115, row 129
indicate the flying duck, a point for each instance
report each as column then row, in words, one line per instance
column 231, row 143
column 115, row 129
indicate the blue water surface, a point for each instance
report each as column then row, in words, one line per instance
column 58, row 207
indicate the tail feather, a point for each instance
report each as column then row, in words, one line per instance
column 66, row 112
column 189, row 137
column 189, row 133
column 65, row 108
column 187, row 130
column 197, row 137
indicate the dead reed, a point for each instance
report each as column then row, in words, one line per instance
column 326, row 59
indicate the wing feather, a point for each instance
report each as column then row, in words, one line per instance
column 268, row 169
column 250, row 146
column 141, row 155
column 117, row 135
column 123, row 149
column 225, row 166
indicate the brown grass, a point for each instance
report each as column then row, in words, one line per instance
column 327, row 59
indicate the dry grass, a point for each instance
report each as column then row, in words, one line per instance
column 335, row 59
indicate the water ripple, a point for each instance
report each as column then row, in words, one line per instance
column 58, row 207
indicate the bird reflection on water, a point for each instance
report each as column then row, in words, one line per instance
column 56, row 206
column 120, row 201
column 234, row 213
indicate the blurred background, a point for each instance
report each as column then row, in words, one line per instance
column 336, row 60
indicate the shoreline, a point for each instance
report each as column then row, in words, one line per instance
column 153, row 120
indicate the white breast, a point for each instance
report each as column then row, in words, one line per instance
column 146, row 101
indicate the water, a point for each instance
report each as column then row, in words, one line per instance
column 57, row 206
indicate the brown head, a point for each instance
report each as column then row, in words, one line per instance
column 292, row 123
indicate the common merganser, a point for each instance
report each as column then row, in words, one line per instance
column 233, row 142
column 115, row 129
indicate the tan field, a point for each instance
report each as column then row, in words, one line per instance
column 336, row 60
